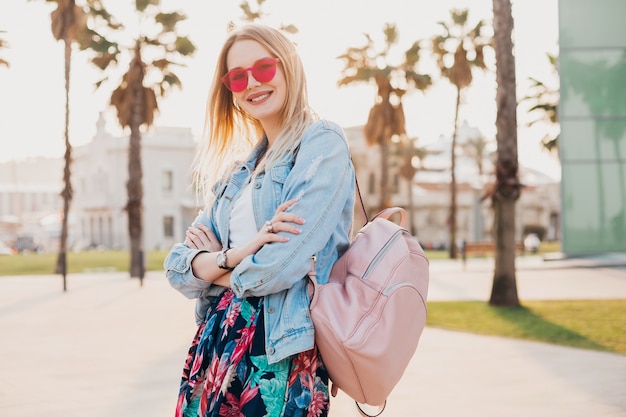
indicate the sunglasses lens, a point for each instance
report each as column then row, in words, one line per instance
column 263, row 70
column 237, row 80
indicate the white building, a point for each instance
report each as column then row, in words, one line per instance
column 30, row 201
column 537, row 208
column 100, row 173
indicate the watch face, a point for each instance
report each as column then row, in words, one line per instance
column 221, row 260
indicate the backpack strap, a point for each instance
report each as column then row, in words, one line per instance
column 357, row 192
column 364, row 414
column 360, row 199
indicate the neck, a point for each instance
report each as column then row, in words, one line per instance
column 271, row 132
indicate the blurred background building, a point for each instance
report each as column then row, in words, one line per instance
column 31, row 206
column 99, row 172
column 428, row 201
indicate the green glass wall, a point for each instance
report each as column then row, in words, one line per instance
column 592, row 112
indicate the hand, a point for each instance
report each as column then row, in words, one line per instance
column 282, row 221
column 202, row 238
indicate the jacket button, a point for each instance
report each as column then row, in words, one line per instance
column 257, row 185
column 270, row 310
column 270, row 350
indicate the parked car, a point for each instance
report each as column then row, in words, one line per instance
column 531, row 243
column 26, row 244
column 5, row 250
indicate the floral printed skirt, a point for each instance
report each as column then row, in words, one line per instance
column 226, row 372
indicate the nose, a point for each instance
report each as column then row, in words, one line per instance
column 252, row 82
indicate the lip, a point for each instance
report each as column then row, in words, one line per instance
column 251, row 97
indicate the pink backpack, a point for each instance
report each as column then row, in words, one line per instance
column 370, row 315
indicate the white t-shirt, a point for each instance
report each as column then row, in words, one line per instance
column 242, row 225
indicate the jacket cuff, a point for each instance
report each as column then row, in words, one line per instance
column 180, row 274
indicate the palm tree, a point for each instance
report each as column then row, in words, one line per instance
column 411, row 156
column 386, row 118
column 545, row 101
column 459, row 51
column 152, row 56
column 507, row 188
column 252, row 14
column 68, row 21
column 3, row 45
column 69, row 25
column 476, row 147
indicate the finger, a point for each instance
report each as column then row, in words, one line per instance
column 286, row 227
column 198, row 233
column 204, row 238
column 284, row 206
column 192, row 236
column 273, row 237
column 190, row 243
column 206, row 231
column 212, row 239
column 288, row 218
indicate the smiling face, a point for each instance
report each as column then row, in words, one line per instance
column 261, row 100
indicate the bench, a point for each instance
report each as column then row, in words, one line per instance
column 484, row 248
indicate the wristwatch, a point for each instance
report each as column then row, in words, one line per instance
column 222, row 259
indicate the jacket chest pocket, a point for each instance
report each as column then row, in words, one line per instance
column 277, row 177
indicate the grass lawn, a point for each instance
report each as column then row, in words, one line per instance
column 544, row 247
column 44, row 263
column 33, row 264
column 587, row 324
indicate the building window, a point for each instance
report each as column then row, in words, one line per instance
column 396, row 183
column 168, row 226
column 167, row 180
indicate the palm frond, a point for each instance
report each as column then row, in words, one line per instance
column 169, row 20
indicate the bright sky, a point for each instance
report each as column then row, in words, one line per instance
column 32, row 89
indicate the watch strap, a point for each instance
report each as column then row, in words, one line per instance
column 223, row 260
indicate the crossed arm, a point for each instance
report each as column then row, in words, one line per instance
column 204, row 264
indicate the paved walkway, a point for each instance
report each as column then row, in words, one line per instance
column 108, row 348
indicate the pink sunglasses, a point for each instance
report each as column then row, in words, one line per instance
column 263, row 70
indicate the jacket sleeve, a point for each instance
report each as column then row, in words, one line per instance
column 178, row 270
column 322, row 180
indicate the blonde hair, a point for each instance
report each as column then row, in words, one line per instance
column 230, row 134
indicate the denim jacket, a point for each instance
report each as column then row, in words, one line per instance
column 321, row 177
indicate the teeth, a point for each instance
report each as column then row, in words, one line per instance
column 259, row 98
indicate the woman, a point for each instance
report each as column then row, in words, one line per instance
column 268, row 220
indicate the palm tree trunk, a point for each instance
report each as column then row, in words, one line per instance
column 385, row 191
column 507, row 187
column 411, row 206
column 134, row 207
column 452, row 216
column 135, row 186
column 61, row 267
